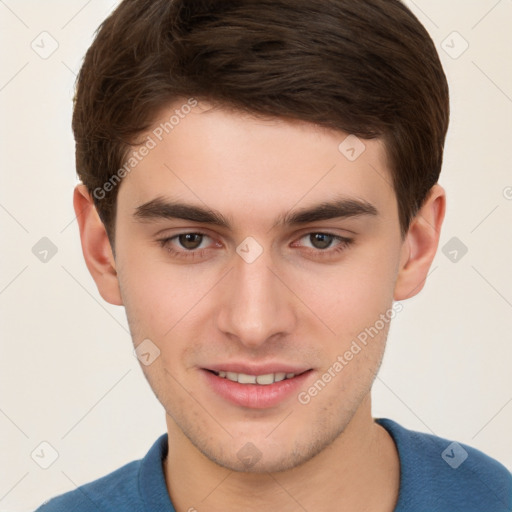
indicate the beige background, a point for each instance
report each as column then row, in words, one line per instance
column 68, row 376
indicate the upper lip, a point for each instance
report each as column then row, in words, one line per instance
column 257, row 369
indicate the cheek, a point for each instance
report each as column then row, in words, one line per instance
column 352, row 295
column 163, row 301
column 153, row 301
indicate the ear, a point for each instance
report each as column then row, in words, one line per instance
column 420, row 245
column 96, row 247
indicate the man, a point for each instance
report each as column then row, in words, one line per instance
column 259, row 192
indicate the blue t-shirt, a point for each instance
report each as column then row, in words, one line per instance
column 436, row 475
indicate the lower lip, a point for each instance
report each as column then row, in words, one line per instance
column 255, row 396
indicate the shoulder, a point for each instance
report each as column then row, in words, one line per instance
column 107, row 491
column 438, row 474
column 125, row 488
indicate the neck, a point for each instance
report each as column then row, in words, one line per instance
column 358, row 471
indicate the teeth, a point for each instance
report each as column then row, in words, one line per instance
column 246, row 379
column 263, row 380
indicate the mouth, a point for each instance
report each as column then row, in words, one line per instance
column 263, row 380
column 259, row 388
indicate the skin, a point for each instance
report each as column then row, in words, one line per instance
column 291, row 305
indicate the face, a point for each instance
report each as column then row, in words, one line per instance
column 249, row 251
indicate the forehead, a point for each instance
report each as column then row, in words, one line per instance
column 258, row 167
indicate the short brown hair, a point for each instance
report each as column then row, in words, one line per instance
column 367, row 67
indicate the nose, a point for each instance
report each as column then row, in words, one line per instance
column 256, row 303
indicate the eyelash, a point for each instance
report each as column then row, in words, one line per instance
column 344, row 244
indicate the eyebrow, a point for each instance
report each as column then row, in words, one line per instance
column 161, row 208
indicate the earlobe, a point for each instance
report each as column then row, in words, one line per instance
column 420, row 245
column 96, row 247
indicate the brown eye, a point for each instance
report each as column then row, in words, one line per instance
column 321, row 245
column 321, row 240
column 190, row 246
column 190, row 240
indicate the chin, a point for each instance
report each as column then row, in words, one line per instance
column 262, row 456
column 256, row 462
